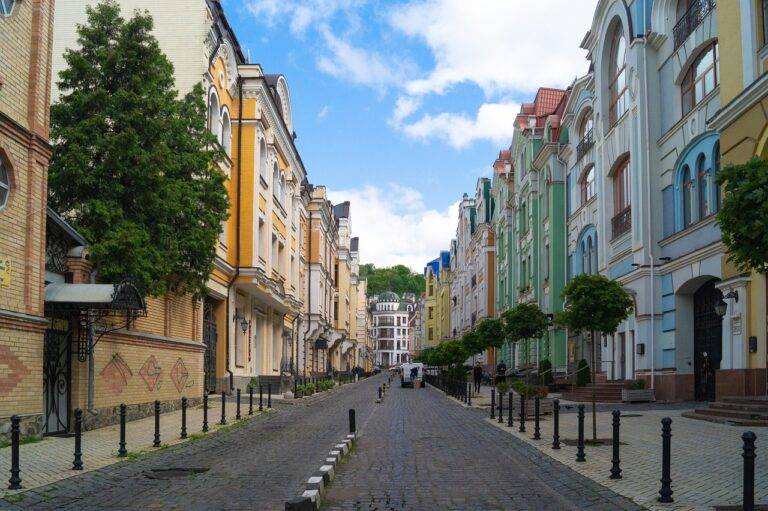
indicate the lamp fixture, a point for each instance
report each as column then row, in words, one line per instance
column 722, row 306
column 244, row 323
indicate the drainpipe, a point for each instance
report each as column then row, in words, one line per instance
column 648, row 208
column 237, row 221
column 309, row 294
column 91, row 362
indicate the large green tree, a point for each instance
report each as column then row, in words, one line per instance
column 134, row 168
column 398, row 279
column 743, row 216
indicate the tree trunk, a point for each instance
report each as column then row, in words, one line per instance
column 594, row 405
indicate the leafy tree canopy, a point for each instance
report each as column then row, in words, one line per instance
column 398, row 279
column 134, row 168
column 743, row 216
column 524, row 321
column 490, row 333
column 472, row 342
column 594, row 303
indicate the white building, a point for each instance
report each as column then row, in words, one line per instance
column 391, row 326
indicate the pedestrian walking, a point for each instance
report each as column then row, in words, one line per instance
column 477, row 376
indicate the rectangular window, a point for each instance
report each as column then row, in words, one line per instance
column 764, row 18
column 431, row 334
column 431, row 313
column 262, row 239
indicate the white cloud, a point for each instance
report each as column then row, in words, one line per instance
column 500, row 45
column 395, row 227
column 405, row 106
column 323, row 112
column 301, row 13
column 494, row 121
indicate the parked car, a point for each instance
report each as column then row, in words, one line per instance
column 376, row 370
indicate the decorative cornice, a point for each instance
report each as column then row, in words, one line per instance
column 735, row 108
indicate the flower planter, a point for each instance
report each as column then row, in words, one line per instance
column 545, row 405
column 637, row 395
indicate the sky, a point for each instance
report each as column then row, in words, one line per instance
column 401, row 105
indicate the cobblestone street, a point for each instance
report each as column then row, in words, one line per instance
column 423, row 451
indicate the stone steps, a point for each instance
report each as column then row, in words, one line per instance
column 739, row 411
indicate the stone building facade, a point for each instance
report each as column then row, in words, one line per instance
column 391, row 323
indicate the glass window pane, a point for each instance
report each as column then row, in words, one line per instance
column 3, row 196
column 3, row 172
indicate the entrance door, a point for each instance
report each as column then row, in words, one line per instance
column 622, row 356
column 209, row 339
column 57, row 362
column 707, row 340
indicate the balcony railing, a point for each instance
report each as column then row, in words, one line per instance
column 621, row 223
column 695, row 14
column 386, row 322
column 585, row 144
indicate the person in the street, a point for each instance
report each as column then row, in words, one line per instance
column 501, row 372
column 477, row 376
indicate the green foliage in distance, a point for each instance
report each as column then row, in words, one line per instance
column 398, row 279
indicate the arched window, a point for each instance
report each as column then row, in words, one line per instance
column 622, row 197
column 588, row 255
column 5, row 184
column 275, row 181
column 715, row 170
column 263, row 159
column 214, row 115
column 702, row 77
column 588, row 185
column 585, row 128
column 226, row 134
column 703, row 176
column 687, row 197
column 282, row 189
column 617, row 83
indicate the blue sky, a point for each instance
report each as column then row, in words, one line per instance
column 400, row 106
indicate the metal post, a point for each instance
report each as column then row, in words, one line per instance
column 156, row 443
column 15, row 480
column 748, row 500
column 536, row 410
column 469, row 394
column 223, row 420
column 580, row 448
column 501, row 408
column 205, row 412
column 77, row 464
column 665, row 493
column 521, row 429
column 511, row 414
column 556, row 419
column 352, row 424
column 493, row 403
column 250, row 398
column 183, row 417
column 379, row 392
column 295, row 386
column 122, row 452
column 237, row 408
column 269, row 395
column 261, row 397
column 615, row 461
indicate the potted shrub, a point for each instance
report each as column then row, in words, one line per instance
column 530, row 392
column 634, row 391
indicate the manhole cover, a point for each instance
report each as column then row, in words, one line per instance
column 174, row 473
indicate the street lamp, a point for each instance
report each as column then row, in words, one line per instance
column 244, row 323
column 722, row 306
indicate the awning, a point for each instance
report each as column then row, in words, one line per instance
column 105, row 299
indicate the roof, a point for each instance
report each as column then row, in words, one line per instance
column 545, row 103
column 389, row 296
column 122, row 297
column 341, row 210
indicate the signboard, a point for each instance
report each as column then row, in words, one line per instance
column 5, row 273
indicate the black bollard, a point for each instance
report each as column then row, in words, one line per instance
column 379, row 392
column 156, row 442
column 77, row 464
column 748, row 499
column 536, row 410
column 665, row 493
column 469, row 394
column 269, row 396
column 580, row 447
column 205, row 412
column 237, row 408
column 352, row 424
column 501, row 408
column 511, row 414
column 122, row 452
column 615, row 461
column 223, row 420
column 261, row 397
column 556, row 420
column 183, row 417
column 521, row 429
column 493, row 403
column 15, row 480
column 295, row 386
column 250, row 398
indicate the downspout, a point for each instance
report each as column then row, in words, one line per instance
column 648, row 198
column 309, row 293
column 91, row 361
column 237, row 220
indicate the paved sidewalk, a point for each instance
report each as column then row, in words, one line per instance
column 50, row 460
column 706, row 457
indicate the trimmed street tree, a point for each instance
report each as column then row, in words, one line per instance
column 743, row 215
column 594, row 304
column 524, row 321
column 134, row 168
column 472, row 343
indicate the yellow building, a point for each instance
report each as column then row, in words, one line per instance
column 430, row 320
column 743, row 125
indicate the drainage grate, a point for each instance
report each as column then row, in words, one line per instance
column 174, row 473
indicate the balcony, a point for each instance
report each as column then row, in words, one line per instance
column 692, row 19
column 386, row 345
column 585, row 144
column 386, row 322
column 621, row 223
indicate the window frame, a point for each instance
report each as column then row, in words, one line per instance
column 622, row 188
column 703, row 178
column 687, row 184
column 692, row 79
column 5, row 185
column 617, row 97
column 3, row 13
column 587, row 185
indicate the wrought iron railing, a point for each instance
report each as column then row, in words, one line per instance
column 695, row 14
column 585, row 144
column 622, row 222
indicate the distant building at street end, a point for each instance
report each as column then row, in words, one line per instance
column 391, row 319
